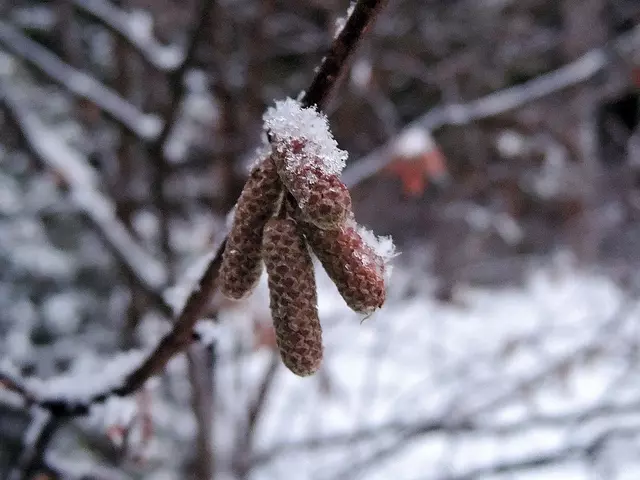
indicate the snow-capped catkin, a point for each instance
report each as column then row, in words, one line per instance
column 321, row 195
column 355, row 268
column 292, row 290
column 241, row 260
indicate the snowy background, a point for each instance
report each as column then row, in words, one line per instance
column 497, row 141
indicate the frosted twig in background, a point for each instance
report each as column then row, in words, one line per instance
column 36, row 440
column 52, row 151
column 165, row 58
column 169, row 114
column 574, row 73
column 254, row 414
column 144, row 126
column 81, row 180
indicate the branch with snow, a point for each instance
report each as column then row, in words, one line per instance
column 164, row 58
column 575, row 73
column 575, row 450
column 36, row 440
column 360, row 18
column 144, row 126
column 83, row 184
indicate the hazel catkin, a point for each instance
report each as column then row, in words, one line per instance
column 241, row 260
column 293, row 298
column 351, row 263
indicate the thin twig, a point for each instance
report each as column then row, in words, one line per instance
column 169, row 115
column 36, row 440
column 255, row 410
column 202, row 406
column 575, row 450
column 344, row 45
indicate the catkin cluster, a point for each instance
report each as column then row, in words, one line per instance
column 293, row 204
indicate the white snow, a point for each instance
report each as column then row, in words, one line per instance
column 342, row 21
column 89, row 376
column 288, row 121
column 361, row 73
column 382, row 245
column 421, row 361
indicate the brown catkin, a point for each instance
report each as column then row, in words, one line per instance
column 355, row 268
column 322, row 197
column 292, row 290
column 241, row 260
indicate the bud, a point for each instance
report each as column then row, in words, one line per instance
column 292, row 290
column 241, row 260
column 322, row 197
column 352, row 264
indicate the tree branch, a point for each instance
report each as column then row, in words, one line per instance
column 169, row 115
column 334, row 63
column 574, row 450
column 144, row 126
column 245, row 446
column 36, row 440
column 50, row 150
column 583, row 69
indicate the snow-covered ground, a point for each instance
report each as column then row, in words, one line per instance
column 527, row 382
column 500, row 376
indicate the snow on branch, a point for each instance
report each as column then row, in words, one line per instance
column 288, row 121
column 83, row 185
column 165, row 58
column 144, row 126
column 570, row 75
column 73, row 392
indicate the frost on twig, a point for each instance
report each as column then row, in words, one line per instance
column 144, row 126
column 137, row 30
column 342, row 21
column 78, row 389
column 82, row 182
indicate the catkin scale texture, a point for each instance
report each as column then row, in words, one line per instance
column 322, row 197
column 355, row 268
column 293, row 298
column 241, row 260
